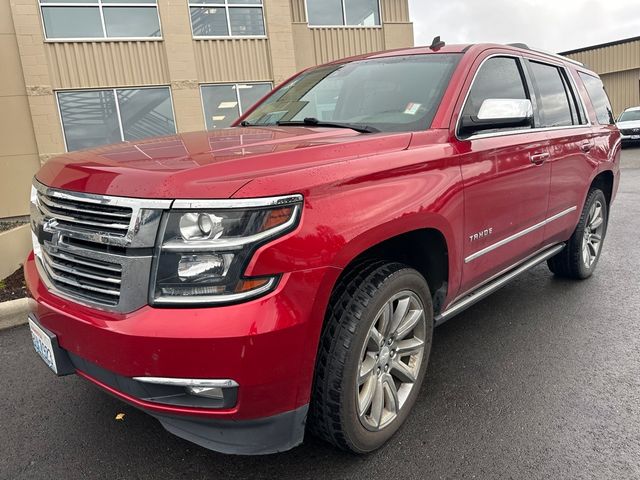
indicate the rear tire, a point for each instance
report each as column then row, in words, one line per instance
column 580, row 257
column 372, row 356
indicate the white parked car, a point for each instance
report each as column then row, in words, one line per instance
column 629, row 125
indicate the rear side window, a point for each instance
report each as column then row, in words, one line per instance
column 599, row 99
column 498, row 78
column 555, row 105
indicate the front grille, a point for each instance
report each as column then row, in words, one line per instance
column 95, row 249
column 83, row 277
column 630, row 131
column 85, row 215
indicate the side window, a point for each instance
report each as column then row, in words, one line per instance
column 498, row 78
column 599, row 99
column 554, row 104
column 574, row 101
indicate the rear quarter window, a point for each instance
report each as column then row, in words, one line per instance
column 599, row 99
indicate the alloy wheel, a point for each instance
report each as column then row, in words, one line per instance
column 593, row 233
column 390, row 360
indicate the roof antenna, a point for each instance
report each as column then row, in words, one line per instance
column 437, row 44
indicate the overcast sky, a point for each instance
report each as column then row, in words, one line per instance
column 555, row 25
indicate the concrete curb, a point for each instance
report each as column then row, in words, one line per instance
column 14, row 313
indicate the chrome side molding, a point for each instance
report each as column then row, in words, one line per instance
column 521, row 233
column 488, row 288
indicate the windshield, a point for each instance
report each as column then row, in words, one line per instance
column 391, row 94
column 630, row 116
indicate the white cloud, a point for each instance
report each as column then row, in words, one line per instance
column 555, row 25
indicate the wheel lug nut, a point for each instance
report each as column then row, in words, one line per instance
column 386, row 368
column 378, row 371
column 390, row 341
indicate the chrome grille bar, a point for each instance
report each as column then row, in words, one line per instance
column 80, row 284
column 61, row 217
column 86, row 262
column 80, row 272
column 70, row 206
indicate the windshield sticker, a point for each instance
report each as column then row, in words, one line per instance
column 412, row 108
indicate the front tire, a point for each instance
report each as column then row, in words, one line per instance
column 580, row 257
column 372, row 356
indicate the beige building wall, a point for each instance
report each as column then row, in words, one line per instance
column 316, row 45
column 618, row 64
column 18, row 151
column 623, row 88
column 35, row 69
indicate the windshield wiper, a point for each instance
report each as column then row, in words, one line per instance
column 319, row 123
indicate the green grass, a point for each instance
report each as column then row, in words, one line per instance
column 2, row 285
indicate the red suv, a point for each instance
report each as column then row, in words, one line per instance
column 246, row 285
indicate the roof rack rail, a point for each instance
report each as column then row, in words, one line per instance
column 527, row 47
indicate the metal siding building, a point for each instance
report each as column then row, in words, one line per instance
column 618, row 64
column 57, row 70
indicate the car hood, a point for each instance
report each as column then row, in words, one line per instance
column 629, row 124
column 209, row 164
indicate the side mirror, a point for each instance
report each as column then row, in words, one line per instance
column 498, row 113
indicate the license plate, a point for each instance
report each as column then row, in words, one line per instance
column 635, row 137
column 42, row 345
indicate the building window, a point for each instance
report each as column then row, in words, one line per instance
column 98, row 117
column 357, row 13
column 223, row 104
column 227, row 18
column 94, row 19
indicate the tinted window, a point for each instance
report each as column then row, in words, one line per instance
column 92, row 118
column 343, row 12
column 553, row 102
column 246, row 21
column 599, row 99
column 577, row 111
column 362, row 12
column 223, row 104
column 145, row 112
column 222, row 18
column 72, row 22
column 325, row 12
column 389, row 94
column 89, row 118
column 65, row 21
column 499, row 77
column 131, row 22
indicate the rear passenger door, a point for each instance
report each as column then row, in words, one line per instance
column 505, row 176
column 562, row 115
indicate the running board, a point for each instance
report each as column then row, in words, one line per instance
column 499, row 282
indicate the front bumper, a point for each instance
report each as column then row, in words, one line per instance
column 267, row 346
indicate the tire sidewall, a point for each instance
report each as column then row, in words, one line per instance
column 358, row 437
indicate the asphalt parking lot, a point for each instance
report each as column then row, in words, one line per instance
column 541, row 380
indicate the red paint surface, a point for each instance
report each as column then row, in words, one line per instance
column 359, row 191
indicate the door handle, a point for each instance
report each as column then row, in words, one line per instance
column 586, row 146
column 539, row 158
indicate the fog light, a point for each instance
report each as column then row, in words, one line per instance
column 208, row 392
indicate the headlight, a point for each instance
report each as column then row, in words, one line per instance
column 205, row 247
